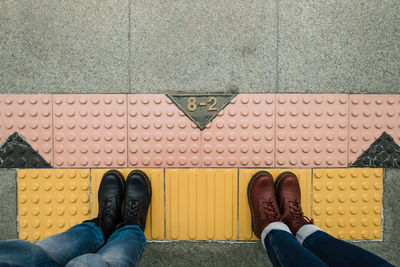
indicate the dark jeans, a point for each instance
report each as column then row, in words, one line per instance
column 318, row 249
column 81, row 245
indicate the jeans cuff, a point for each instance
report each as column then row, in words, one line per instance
column 305, row 231
column 273, row 226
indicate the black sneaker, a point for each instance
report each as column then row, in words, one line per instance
column 137, row 199
column 110, row 196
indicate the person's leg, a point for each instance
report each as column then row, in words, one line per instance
column 284, row 250
column 124, row 248
column 23, row 253
column 336, row 252
column 126, row 245
column 83, row 238
column 54, row 250
column 282, row 247
column 329, row 249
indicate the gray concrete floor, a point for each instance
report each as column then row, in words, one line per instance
column 141, row 46
column 8, row 204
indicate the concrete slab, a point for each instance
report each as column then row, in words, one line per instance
column 8, row 204
column 204, row 46
column 64, row 47
column 204, row 254
column 339, row 46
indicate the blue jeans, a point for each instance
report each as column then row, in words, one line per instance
column 318, row 249
column 81, row 245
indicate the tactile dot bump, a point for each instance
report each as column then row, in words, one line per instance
column 344, row 203
column 158, row 136
column 42, row 208
column 304, row 176
column 311, row 130
column 155, row 217
column 31, row 117
column 369, row 117
column 243, row 134
column 89, row 129
column 201, row 204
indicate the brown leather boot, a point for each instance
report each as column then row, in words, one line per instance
column 263, row 206
column 289, row 198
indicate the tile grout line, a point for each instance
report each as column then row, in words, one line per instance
column 277, row 46
column 311, row 192
column 129, row 46
column 384, row 171
column 16, row 200
column 91, row 193
column 348, row 130
column 165, row 209
column 201, row 148
column 52, row 128
column 127, row 130
column 275, row 108
column 237, row 202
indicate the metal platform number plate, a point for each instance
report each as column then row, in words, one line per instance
column 201, row 109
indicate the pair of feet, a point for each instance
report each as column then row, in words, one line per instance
column 275, row 202
column 123, row 202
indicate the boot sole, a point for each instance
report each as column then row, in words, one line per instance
column 253, row 178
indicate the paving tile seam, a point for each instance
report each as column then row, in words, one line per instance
column 63, row 177
column 226, row 150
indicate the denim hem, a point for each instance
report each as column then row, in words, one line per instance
column 273, row 226
column 305, row 231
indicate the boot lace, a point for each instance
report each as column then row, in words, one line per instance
column 133, row 207
column 271, row 211
column 107, row 206
column 297, row 213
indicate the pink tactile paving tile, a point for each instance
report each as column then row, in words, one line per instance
column 160, row 135
column 90, row 130
column 311, row 130
column 30, row 116
column 242, row 134
column 370, row 116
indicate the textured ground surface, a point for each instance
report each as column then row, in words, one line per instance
column 217, row 254
column 212, row 46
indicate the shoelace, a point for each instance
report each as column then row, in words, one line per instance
column 108, row 206
column 297, row 213
column 133, row 207
column 270, row 211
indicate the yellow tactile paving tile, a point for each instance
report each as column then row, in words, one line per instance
column 155, row 218
column 245, row 229
column 201, row 204
column 51, row 200
column 347, row 203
